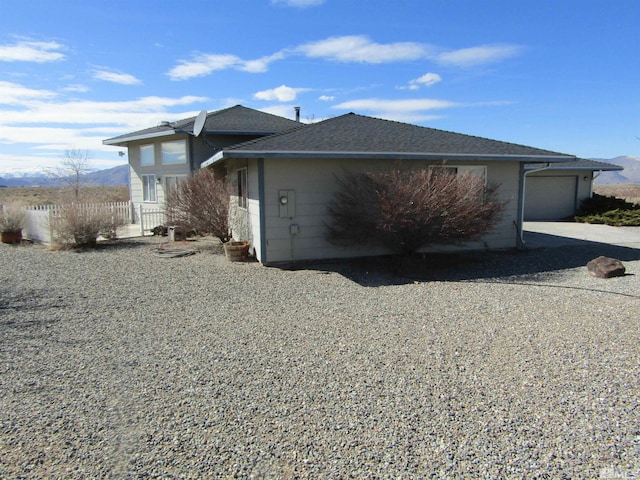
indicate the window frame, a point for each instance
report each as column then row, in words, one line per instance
column 242, row 188
column 147, row 147
column 149, row 182
column 165, row 157
column 179, row 179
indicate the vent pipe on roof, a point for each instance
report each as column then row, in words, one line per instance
column 297, row 109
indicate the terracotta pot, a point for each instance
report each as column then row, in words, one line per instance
column 12, row 237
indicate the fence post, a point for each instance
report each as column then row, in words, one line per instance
column 131, row 212
column 141, row 222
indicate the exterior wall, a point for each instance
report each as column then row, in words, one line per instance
column 313, row 183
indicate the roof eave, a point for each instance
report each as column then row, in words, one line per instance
column 122, row 141
column 229, row 154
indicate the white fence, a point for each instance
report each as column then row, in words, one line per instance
column 38, row 224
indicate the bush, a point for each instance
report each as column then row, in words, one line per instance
column 12, row 218
column 407, row 210
column 606, row 210
column 81, row 225
column 201, row 204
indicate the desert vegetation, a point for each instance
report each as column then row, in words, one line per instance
column 201, row 204
column 609, row 210
column 58, row 195
column 407, row 210
column 626, row 191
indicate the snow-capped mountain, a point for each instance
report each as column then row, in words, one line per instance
column 110, row 177
column 630, row 174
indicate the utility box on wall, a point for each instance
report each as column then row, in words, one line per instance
column 287, row 203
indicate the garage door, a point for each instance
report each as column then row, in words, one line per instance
column 550, row 198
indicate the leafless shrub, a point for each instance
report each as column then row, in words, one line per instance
column 406, row 210
column 201, row 204
column 81, row 224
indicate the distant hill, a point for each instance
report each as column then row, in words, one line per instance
column 111, row 177
column 630, row 174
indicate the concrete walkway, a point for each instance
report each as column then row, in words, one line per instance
column 553, row 234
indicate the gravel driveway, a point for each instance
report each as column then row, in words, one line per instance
column 117, row 363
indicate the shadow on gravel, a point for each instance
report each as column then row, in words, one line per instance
column 528, row 265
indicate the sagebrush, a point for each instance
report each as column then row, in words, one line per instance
column 407, row 210
column 81, row 225
column 201, row 204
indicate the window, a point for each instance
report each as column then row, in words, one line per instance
column 147, row 155
column 174, row 152
column 242, row 188
column 172, row 182
column 479, row 170
column 149, row 188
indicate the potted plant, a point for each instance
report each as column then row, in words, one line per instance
column 12, row 218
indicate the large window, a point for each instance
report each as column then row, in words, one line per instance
column 174, row 152
column 147, row 155
column 149, row 188
column 242, row 188
column 171, row 182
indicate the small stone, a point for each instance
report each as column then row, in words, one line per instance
column 605, row 267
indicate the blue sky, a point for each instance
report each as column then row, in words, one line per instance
column 557, row 74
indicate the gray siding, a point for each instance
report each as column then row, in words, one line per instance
column 314, row 184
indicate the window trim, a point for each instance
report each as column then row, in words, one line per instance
column 242, row 188
column 149, row 182
column 162, row 152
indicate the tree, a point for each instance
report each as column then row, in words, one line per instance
column 73, row 166
column 201, row 204
column 407, row 210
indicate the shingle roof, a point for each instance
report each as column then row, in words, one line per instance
column 581, row 164
column 352, row 135
column 237, row 120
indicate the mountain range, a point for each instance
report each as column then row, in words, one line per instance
column 119, row 175
column 116, row 176
column 630, row 174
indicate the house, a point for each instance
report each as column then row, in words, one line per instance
column 555, row 192
column 161, row 157
column 284, row 181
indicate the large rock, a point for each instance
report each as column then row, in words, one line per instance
column 605, row 267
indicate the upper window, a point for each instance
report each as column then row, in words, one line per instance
column 242, row 188
column 147, row 155
column 174, row 152
column 149, row 188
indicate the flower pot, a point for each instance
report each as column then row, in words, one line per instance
column 12, row 237
column 237, row 251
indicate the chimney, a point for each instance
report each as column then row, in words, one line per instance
column 297, row 109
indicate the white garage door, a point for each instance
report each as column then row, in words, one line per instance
column 550, row 198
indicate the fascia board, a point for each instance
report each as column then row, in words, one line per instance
column 122, row 141
column 228, row 154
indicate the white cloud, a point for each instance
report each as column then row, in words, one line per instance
column 281, row 94
column 298, row 3
column 202, row 65
column 427, row 79
column 358, row 48
column 405, row 105
column 29, row 51
column 76, row 87
column 326, row 98
column 473, row 56
column 115, row 77
column 16, row 94
column 349, row 48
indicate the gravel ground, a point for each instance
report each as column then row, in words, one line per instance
column 117, row 363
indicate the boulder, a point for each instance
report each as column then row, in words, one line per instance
column 605, row 267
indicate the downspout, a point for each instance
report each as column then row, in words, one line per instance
column 520, row 225
column 262, row 213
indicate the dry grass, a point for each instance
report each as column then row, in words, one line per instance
column 626, row 191
column 58, row 195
